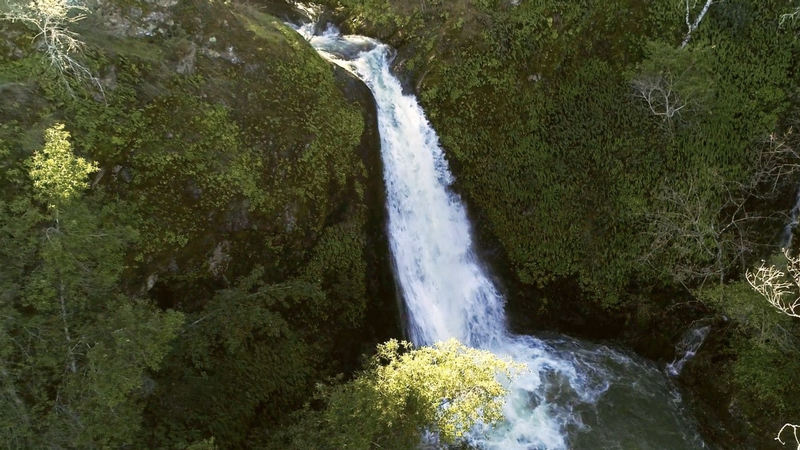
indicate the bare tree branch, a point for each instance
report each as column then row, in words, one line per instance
column 774, row 285
column 62, row 46
column 693, row 25
column 659, row 93
column 794, row 433
column 775, row 163
column 789, row 16
column 672, row 85
column 703, row 232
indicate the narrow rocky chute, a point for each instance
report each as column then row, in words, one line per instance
column 687, row 348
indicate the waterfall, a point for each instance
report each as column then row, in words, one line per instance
column 575, row 394
column 687, row 348
column 788, row 230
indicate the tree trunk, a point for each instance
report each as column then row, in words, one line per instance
column 72, row 364
column 693, row 26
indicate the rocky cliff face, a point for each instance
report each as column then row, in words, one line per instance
column 233, row 150
column 217, row 123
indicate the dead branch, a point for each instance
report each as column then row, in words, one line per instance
column 794, row 433
column 62, row 47
column 774, row 285
column 694, row 24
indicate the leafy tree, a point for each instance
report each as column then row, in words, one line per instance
column 702, row 226
column 58, row 175
column 755, row 318
column 75, row 351
column 445, row 389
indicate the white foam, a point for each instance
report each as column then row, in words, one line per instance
column 448, row 294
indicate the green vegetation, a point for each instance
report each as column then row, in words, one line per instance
column 552, row 143
column 182, row 239
column 76, row 349
column 184, row 258
column 390, row 404
column 764, row 371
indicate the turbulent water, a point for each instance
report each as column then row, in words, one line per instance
column 687, row 348
column 575, row 394
column 788, row 230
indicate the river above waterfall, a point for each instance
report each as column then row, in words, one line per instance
column 575, row 394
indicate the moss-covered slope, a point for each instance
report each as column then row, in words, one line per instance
column 228, row 145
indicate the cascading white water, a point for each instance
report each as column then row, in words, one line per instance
column 788, row 229
column 575, row 394
column 687, row 348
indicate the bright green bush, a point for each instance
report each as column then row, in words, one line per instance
column 401, row 394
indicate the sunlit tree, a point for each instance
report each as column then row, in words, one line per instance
column 75, row 350
column 444, row 389
column 58, row 175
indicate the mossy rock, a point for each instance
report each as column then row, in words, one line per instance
column 228, row 144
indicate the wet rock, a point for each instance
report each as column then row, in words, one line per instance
column 220, row 258
column 286, row 11
column 9, row 40
column 117, row 24
column 186, row 63
column 290, row 218
column 227, row 55
column 193, row 189
column 109, row 82
column 98, row 176
column 151, row 281
column 122, row 172
column 383, row 314
column 238, row 219
column 135, row 21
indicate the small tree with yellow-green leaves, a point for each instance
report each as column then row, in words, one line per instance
column 58, row 175
column 445, row 389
